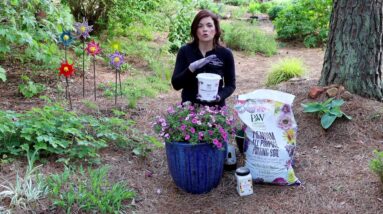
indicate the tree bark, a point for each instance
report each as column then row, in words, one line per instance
column 353, row 56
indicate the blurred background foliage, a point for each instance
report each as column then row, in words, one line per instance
column 149, row 30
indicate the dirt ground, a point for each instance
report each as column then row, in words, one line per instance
column 332, row 164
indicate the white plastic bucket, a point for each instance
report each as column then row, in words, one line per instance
column 208, row 85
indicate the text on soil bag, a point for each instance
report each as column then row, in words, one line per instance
column 257, row 117
column 265, row 144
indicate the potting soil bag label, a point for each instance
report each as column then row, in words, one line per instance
column 270, row 135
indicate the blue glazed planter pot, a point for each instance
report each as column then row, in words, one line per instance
column 195, row 168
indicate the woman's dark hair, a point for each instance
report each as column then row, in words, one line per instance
column 194, row 26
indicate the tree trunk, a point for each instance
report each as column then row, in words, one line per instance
column 353, row 56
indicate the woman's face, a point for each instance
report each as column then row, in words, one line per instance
column 206, row 30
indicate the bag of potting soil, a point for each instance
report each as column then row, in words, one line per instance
column 270, row 135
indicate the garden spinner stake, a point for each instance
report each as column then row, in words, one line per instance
column 67, row 70
column 66, row 39
column 83, row 30
column 93, row 49
column 116, row 60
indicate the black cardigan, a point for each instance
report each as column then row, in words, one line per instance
column 184, row 79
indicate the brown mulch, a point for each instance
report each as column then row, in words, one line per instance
column 332, row 165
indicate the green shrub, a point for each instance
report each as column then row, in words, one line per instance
column 88, row 191
column 328, row 110
column 376, row 164
column 29, row 31
column 306, row 20
column 126, row 14
column 246, row 37
column 96, row 12
column 216, row 8
column 265, row 6
column 236, row 2
column 254, row 7
column 179, row 30
column 285, row 70
column 29, row 88
column 274, row 10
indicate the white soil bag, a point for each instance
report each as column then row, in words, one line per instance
column 270, row 135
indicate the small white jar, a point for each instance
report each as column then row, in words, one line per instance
column 244, row 181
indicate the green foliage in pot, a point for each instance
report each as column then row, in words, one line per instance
column 376, row 164
column 195, row 124
column 328, row 110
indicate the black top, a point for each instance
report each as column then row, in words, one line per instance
column 184, row 79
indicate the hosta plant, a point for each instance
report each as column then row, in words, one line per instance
column 328, row 110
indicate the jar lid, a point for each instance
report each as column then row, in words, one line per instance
column 242, row 171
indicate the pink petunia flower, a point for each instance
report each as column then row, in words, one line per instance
column 192, row 130
column 187, row 137
column 171, row 110
column 217, row 143
column 200, row 135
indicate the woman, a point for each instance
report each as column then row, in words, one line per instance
column 204, row 54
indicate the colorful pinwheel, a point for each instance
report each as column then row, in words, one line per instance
column 93, row 49
column 116, row 60
column 67, row 70
column 83, row 29
column 115, row 45
column 66, row 38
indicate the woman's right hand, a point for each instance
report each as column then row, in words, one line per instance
column 202, row 62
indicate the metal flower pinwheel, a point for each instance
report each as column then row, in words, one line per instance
column 83, row 30
column 116, row 60
column 67, row 70
column 66, row 39
column 93, row 49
